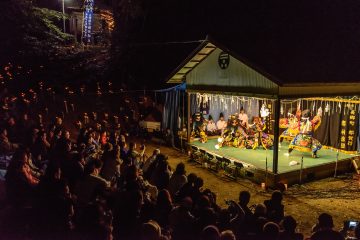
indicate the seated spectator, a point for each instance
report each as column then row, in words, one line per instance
column 111, row 162
column 289, row 229
column 211, row 128
column 91, row 185
column 187, row 189
column 163, row 208
column 178, row 179
column 274, row 207
column 152, row 231
column 150, row 160
column 161, row 175
column 210, row 233
column 196, row 191
column 41, row 147
column 133, row 156
column 6, row 147
column 182, row 221
column 19, row 181
column 356, row 233
column 270, row 231
column 227, row 235
column 324, row 229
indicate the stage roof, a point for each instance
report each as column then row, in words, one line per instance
column 201, row 72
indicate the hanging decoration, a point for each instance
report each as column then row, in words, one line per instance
column 327, row 108
column 264, row 111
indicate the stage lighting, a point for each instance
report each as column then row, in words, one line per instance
column 220, row 139
column 217, row 147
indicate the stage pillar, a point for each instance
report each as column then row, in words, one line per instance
column 276, row 136
column 188, row 117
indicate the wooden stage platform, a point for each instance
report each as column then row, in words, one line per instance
column 292, row 169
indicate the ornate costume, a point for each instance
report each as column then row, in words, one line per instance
column 233, row 134
column 293, row 126
column 304, row 141
column 258, row 136
column 199, row 128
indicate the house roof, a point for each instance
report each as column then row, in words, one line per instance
column 288, row 86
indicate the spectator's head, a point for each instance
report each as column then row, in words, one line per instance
column 11, row 121
column 151, row 231
column 199, row 182
column 180, row 169
column 156, row 152
column 260, row 210
column 131, row 174
column 58, row 121
column 271, row 230
column 3, row 132
column 161, row 158
column 164, row 198
column 325, row 221
column 244, row 198
column 210, row 233
column 191, row 178
column 227, row 235
column 21, row 156
column 108, row 147
column 93, row 167
column 132, row 146
column 203, row 202
column 66, row 135
column 276, row 197
column 186, row 203
column 289, row 224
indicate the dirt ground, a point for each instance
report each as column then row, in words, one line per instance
column 336, row 196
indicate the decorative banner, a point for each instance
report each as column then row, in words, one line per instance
column 88, row 20
column 224, row 60
column 348, row 138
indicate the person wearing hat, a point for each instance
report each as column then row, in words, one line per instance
column 211, row 126
column 221, row 124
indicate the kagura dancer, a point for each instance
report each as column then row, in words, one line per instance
column 258, row 136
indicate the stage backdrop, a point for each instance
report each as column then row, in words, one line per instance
column 213, row 104
column 339, row 123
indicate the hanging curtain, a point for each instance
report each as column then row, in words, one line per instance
column 171, row 110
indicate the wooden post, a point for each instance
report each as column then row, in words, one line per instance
column 188, row 117
column 276, row 136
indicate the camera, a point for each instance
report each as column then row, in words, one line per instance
column 351, row 224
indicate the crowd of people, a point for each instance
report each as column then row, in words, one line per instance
column 100, row 185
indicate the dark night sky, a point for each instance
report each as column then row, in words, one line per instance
column 292, row 40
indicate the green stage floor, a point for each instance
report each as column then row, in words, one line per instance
column 258, row 157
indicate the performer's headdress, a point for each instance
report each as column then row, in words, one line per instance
column 221, row 115
column 242, row 108
column 210, row 117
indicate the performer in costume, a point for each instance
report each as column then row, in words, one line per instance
column 198, row 126
column 233, row 134
column 293, row 128
column 304, row 141
column 257, row 133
